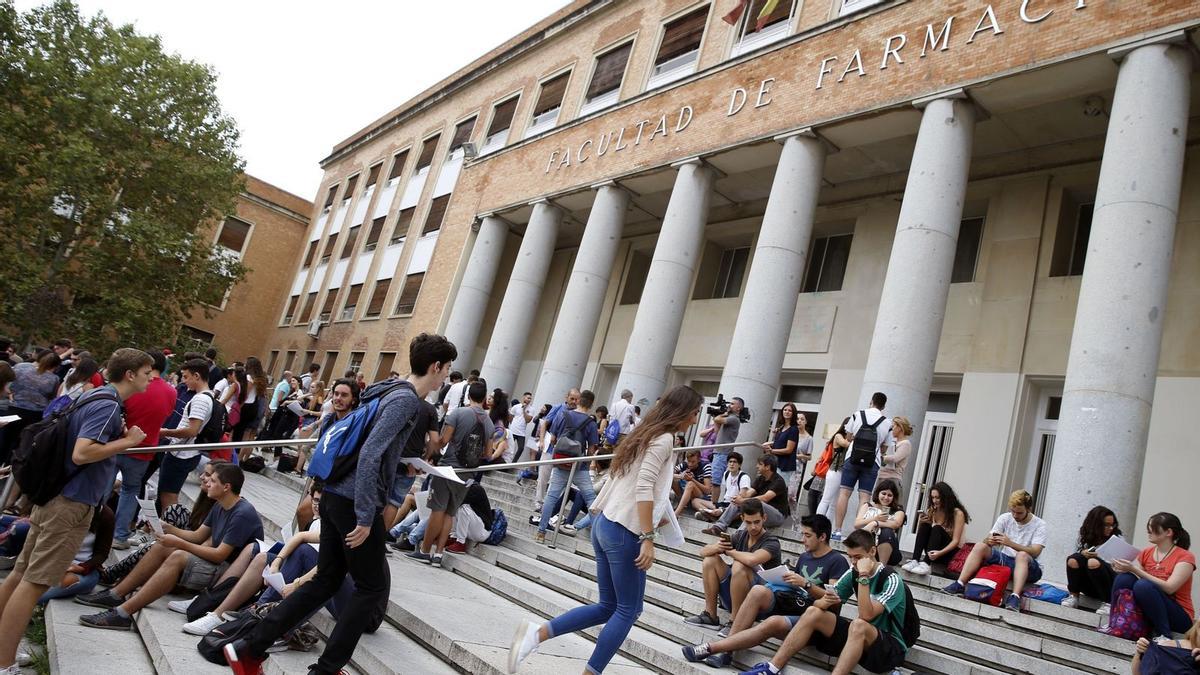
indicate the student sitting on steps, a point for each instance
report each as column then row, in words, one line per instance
column 1016, row 540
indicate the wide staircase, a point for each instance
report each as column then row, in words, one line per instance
column 461, row 618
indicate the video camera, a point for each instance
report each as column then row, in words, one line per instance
column 721, row 406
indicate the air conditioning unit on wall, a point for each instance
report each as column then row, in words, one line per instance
column 314, row 328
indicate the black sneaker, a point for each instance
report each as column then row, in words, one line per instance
column 109, row 619
column 722, row 660
column 703, row 619
column 105, row 599
column 725, row 628
column 403, row 545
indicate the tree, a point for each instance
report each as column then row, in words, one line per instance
column 116, row 162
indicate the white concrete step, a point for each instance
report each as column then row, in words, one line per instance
column 75, row 649
column 388, row 651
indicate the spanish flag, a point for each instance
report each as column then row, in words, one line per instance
column 736, row 13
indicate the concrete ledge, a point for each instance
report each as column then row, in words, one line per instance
column 75, row 649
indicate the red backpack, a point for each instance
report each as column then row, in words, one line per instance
column 989, row 585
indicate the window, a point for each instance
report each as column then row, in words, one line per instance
column 755, row 29
column 462, row 134
column 329, row 197
column 731, row 273
column 273, row 360
column 377, row 298
column 427, row 150
column 312, row 252
column 851, row 6
column 327, row 308
column 635, row 278
column 327, row 369
column 1071, row 240
column 384, row 369
column 349, row 193
column 330, row 243
column 309, row 302
column 398, row 163
column 408, row 295
column 966, row 255
column 373, row 177
column 374, row 232
column 827, row 264
column 502, row 117
column 549, row 103
column 356, row 359
column 288, row 362
column 680, row 48
column 290, row 313
column 233, row 234
column 605, row 87
column 309, row 359
column 351, row 240
column 351, row 303
column 437, row 212
column 201, row 339
column 403, row 221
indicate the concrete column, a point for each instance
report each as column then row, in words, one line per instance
column 470, row 304
column 1113, row 362
column 760, row 335
column 669, row 284
column 912, row 306
column 520, row 304
column 575, row 328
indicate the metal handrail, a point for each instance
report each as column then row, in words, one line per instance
column 218, row 446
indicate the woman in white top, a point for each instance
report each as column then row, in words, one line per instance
column 623, row 533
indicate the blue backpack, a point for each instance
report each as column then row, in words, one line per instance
column 612, row 432
column 336, row 453
column 499, row 528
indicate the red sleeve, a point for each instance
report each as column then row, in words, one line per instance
column 96, row 380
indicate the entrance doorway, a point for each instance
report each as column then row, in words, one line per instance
column 933, row 454
column 1041, row 448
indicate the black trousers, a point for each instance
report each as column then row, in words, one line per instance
column 520, row 447
column 1095, row 583
column 367, row 566
column 931, row 538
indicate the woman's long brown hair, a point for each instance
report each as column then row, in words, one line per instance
column 672, row 410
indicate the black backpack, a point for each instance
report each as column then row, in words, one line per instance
column 214, row 428
column 866, row 442
column 212, row 646
column 39, row 463
column 911, row 629
column 470, row 451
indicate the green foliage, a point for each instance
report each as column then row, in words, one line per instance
column 116, row 162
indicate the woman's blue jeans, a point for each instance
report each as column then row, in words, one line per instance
column 1163, row 613
column 558, row 486
column 85, row 585
column 622, row 586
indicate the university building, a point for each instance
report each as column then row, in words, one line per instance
column 989, row 211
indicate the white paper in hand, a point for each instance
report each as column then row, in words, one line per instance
column 1116, row 548
column 773, row 575
column 443, row 471
column 148, row 514
column 8, row 419
column 274, row 579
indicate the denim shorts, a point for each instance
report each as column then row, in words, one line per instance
column 998, row 558
column 863, row 475
column 174, row 472
column 723, row 598
column 401, row 484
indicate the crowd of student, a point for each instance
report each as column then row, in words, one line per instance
column 375, row 496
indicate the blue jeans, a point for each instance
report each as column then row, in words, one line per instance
column 558, row 485
column 720, row 462
column 863, row 475
column 400, row 486
column 622, row 586
column 85, row 584
column 132, row 473
column 1161, row 610
column 576, row 506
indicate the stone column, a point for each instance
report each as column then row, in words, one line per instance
column 912, row 306
column 520, row 304
column 760, row 335
column 470, row 304
column 668, row 285
column 575, row 327
column 1113, row 362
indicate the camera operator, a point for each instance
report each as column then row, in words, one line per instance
column 728, row 423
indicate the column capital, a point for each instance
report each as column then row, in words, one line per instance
column 807, row 132
column 958, row 94
column 1175, row 37
column 700, row 162
column 614, row 185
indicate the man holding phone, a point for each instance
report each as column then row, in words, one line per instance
column 693, row 480
column 749, row 547
column 1016, row 541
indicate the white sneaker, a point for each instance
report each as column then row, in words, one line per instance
column 203, row 626
column 23, row 658
column 569, row 528
column 524, row 643
column 14, row 669
column 911, row 565
column 181, row 606
column 1104, row 609
column 922, row 569
column 1070, row 601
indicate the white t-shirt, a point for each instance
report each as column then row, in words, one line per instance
column 518, row 413
column 199, row 408
column 622, row 412
column 883, row 431
column 219, row 390
column 456, row 396
column 1031, row 533
column 251, row 393
column 730, row 487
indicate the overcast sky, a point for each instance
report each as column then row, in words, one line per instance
column 282, row 64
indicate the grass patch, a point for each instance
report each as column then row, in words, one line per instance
column 36, row 635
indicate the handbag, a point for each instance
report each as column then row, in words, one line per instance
column 210, row 598
column 822, row 466
column 1125, row 619
column 988, row 585
column 1162, row 659
column 960, row 559
column 790, row 601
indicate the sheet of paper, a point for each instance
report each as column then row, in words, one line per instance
column 265, row 545
column 773, row 575
column 287, row 532
column 148, row 514
column 1116, row 548
column 443, row 471
column 273, row 579
column 9, row 419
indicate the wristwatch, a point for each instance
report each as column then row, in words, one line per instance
column 648, row 536
column 863, row 581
